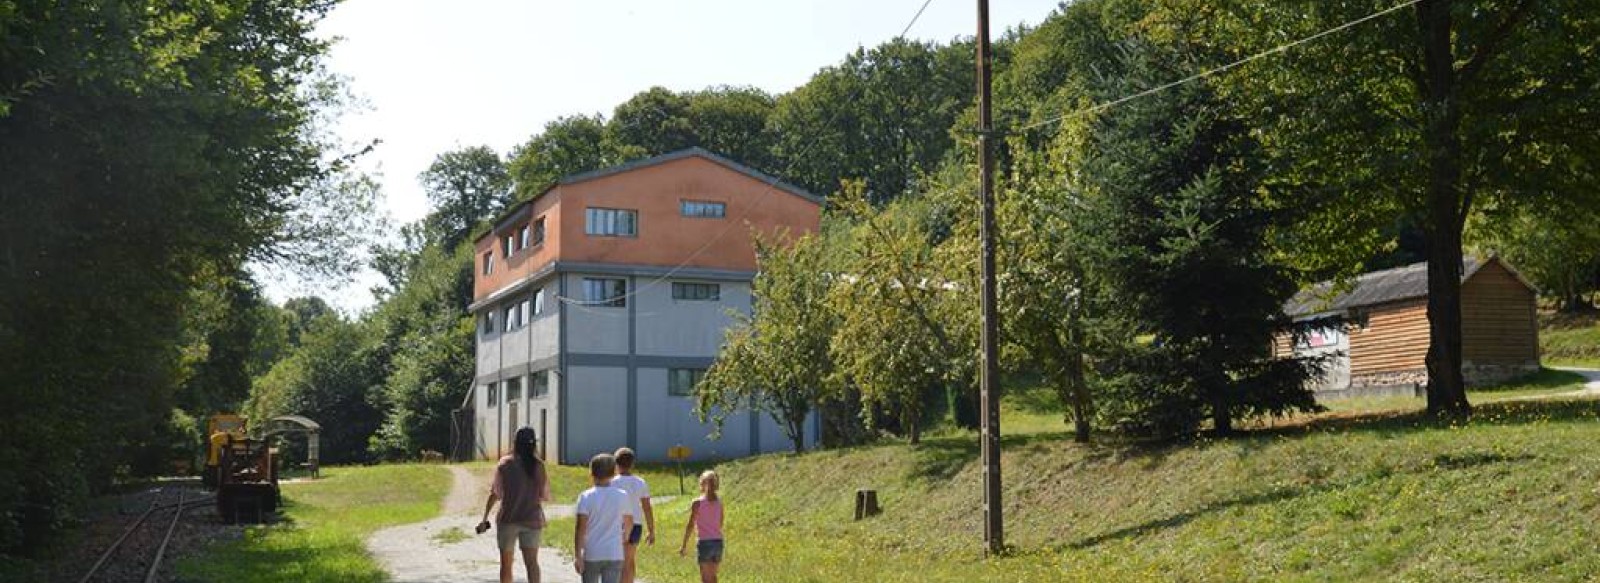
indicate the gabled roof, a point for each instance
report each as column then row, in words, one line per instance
column 1378, row 287
column 691, row 152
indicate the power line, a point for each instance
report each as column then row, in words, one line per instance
column 1203, row 74
column 771, row 185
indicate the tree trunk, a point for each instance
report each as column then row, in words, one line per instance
column 1221, row 420
column 1447, row 208
column 797, row 432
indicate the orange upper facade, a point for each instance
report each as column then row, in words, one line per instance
column 658, row 212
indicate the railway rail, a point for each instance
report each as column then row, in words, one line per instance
column 153, row 551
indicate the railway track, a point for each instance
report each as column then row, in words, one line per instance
column 137, row 554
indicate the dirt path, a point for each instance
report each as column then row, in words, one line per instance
column 1590, row 388
column 445, row 550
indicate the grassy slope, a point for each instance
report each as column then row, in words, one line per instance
column 326, row 522
column 1352, row 496
column 1571, row 342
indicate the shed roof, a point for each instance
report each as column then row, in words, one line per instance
column 1378, row 287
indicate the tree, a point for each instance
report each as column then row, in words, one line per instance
column 732, row 121
column 1557, row 246
column 567, row 146
column 904, row 333
column 426, row 336
column 144, row 144
column 1432, row 112
column 776, row 359
column 653, row 121
column 465, row 187
column 1178, row 231
column 328, row 378
column 882, row 116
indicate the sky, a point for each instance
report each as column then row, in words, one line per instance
column 437, row 75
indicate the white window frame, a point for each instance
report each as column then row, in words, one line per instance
column 538, row 302
column 538, row 231
column 605, row 301
column 539, row 384
column 488, row 262
column 492, row 394
column 680, row 291
column 608, row 222
column 524, row 235
column 701, row 209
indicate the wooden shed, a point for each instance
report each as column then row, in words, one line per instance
column 1384, row 339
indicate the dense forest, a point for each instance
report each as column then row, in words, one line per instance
column 152, row 151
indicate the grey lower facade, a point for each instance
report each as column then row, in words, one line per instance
column 590, row 373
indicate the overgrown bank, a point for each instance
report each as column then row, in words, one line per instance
column 1508, row 495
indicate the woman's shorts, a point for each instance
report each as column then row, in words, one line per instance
column 515, row 536
column 710, row 551
column 636, row 534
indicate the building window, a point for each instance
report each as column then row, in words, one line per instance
column 514, row 317
column 523, row 236
column 611, row 293
column 513, row 390
column 538, row 231
column 539, row 384
column 526, row 312
column 682, row 381
column 612, row 222
column 486, row 323
column 703, row 209
column 511, row 245
column 488, row 262
column 492, row 392
column 700, row 292
column 538, row 302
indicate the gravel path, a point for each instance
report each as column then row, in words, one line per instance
column 1590, row 388
column 423, row 552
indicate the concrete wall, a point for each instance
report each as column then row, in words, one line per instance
column 597, row 410
column 694, row 328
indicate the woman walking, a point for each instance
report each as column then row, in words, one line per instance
column 520, row 486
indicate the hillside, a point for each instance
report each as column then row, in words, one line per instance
column 1571, row 341
column 1360, row 495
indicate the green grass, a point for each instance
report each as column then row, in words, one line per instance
column 1509, row 495
column 450, row 536
column 1571, row 342
column 325, row 524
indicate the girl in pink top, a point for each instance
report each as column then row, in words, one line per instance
column 705, row 519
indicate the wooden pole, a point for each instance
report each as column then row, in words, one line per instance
column 989, row 380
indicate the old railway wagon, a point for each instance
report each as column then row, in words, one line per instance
column 1383, row 343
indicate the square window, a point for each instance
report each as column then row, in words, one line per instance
column 524, row 236
column 606, row 222
column 682, row 381
column 488, row 262
column 539, row 384
column 513, row 390
column 702, row 209
column 605, row 292
column 696, row 292
column 538, row 231
column 486, row 324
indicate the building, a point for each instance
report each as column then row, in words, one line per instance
column 1383, row 342
column 602, row 301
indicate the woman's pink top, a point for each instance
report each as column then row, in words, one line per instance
column 708, row 520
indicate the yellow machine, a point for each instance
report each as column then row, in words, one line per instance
column 242, row 469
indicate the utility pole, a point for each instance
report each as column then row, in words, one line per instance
column 989, row 377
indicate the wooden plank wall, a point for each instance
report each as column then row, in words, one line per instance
column 1499, row 323
column 1394, row 339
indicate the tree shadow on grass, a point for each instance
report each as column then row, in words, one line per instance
column 942, row 458
column 1399, row 423
column 1278, row 494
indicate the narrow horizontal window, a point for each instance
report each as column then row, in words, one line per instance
column 703, row 209
column 698, row 292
